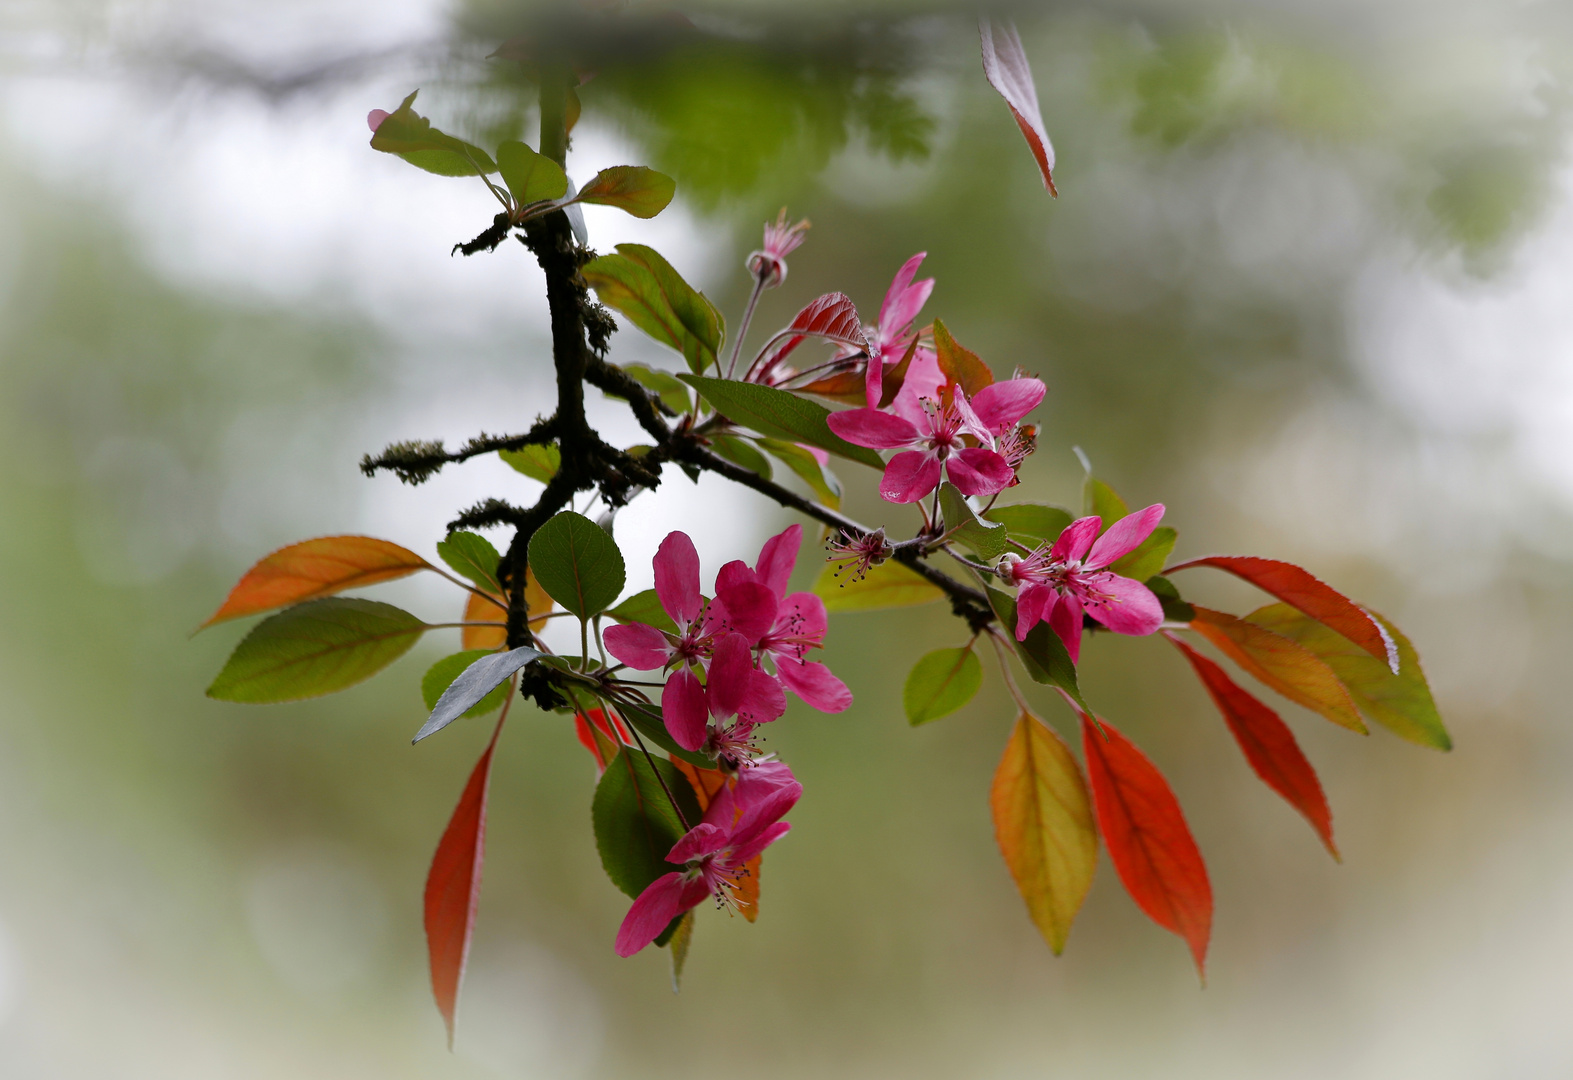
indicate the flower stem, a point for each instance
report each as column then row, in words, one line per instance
column 742, row 327
column 1010, row 680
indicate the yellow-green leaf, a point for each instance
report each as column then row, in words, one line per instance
column 642, row 285
column 940, row 683
column 1281, row 663
column 889, row 585
column 642, row 192
column 1044, row 825
column 409, row 135
column 1401, row 703
column 531, row 177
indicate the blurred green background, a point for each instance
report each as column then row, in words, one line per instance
column 1307, row 283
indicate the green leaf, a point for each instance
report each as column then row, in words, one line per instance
column 644, row 607
column 1031, row 524
column 940, row 683
column 1099, row 498
column 778, row 414
column 316, row 648
column 807, row 466
column 647, row 720
column 664, row 384
column 642, row 192
column 682, row 938
column 635, row 824
column 987, row 542
column 1401, row 703
column 1043, row 653
column 889, row 585
column 577, row 563
column 409, row 135
column 640, row 284
column 440, row 676
column 472, row 556
column 1174, row 608
column 1148, row 558
column 537, row 462
column 531, row 177
column 739, row 452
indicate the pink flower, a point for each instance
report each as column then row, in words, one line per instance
column 779, row 626
column 888, row 341
column 930, row 433
column 743, row 820
column 1058, row 583
column 738, row 697
column 769, row 264
column 645, row 648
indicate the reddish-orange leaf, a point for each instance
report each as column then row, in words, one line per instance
column 1281, row 663
column 1043, row 824
column 1269, row 745
column 1005, row 66
column 1316, row 598
column 316, row 568
column 1148, row 840
column 453, row 887
column 480, row 608
column 832, row 317
column 847, row 387
column 707, row 783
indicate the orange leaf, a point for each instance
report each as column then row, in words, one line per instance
column 960, row 365
column 315, row 568
column 1269, row 745
column 1149, row 843
column 1043, row 824
column 1296, row 586
column 707, row 783
column 453, row 887
column 1281, row 663
column 479, row 608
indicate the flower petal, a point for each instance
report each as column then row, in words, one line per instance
column 778, row 557
column 750, row 608
column 684, row 710
column 903, row 300
column 765, row 700
column 641, row 647
column 872, row 428
column 814, row 683
column 1131, row 609
column 677, row 577
column 663, row 900
column 1001, row 404
column 976, row 471
column 760, row 840
column 924, row 380
column 1078, row 536
column 1033, row 605
column 731, row 667
column 703, row 839
column 803, row 616
column 1065, row 620
column 910, row 476
column 1124, row 536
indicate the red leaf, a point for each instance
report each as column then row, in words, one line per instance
column 314, row 568
column 453, row 887
column 1148, row 840
column 833, row 317
column 1005, row 66
column 601, row 736
column 1268, row 744
column 1296, row 586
